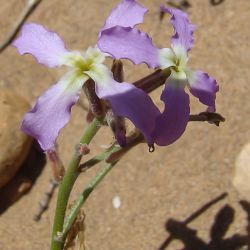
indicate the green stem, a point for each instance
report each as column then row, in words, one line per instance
column 66, row 185
column 111, row 156
column 99, row 158
column 84, row 195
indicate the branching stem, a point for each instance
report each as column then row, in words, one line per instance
column 66, row 185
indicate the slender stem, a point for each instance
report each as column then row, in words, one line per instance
column 84, row 195
column 98, row 158
column 111, row 157
column 66, row 185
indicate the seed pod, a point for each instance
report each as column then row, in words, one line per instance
column 95, row 103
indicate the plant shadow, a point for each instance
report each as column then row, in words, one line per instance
column 179, row 230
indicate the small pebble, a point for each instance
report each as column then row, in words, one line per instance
column 116, row 202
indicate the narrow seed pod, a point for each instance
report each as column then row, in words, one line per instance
column 96, row 106
column 153, row 81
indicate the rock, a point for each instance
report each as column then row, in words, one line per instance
column 241, row 179
column 14, row 145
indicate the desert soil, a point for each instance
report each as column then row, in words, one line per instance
column 167, row 185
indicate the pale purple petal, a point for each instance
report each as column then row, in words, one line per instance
column 52, row 111
column 46, row 46
column 171, row 124
column 127, row 14
column 203, row 87
column 128, row 43
column 183, row 28
column 126, row 101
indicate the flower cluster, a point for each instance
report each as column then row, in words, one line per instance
column 119, row 39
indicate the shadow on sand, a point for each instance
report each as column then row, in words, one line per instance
column 178, row 230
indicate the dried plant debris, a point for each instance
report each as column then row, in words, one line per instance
column 44, row 203
column 29, row 8
column 185, row 4
column 216, row 2
column 75, row 237
column 180, row 4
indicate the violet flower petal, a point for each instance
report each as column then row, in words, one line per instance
column 183, row 28
column 52, row 111
column 171, row 124
column 203, row 87
column 127, row 101
column 46, row 46
column 131, row 44
column 127, row 14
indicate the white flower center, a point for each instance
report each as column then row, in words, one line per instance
column 176, row 59
column 82, row 63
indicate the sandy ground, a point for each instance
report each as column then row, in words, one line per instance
column 173, row 182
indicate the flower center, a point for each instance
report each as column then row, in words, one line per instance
column 176, row 59
column 84, row 62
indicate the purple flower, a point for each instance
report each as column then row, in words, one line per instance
column 52, row 110
column 130, row 43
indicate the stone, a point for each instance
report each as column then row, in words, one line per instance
column 116, row 202
column 241, row 179
column 14, row 145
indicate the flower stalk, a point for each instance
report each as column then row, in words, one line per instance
column 67, row 183
column 82, row 197
column 110, row 157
